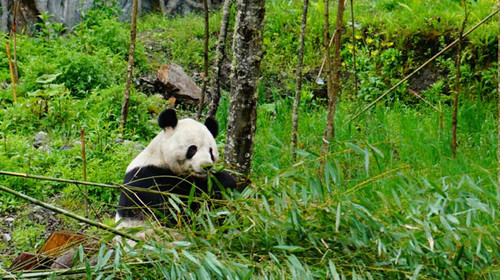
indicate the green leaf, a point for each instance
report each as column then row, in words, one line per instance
column 333, row 270
column 47, row 78
column 190, row 257
column 289, row 248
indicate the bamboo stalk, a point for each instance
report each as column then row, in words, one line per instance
column 423, row 65
column 84, row 159
column 68, row 213
column 12, row 78
column 457, row 88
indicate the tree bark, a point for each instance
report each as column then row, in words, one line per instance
column 219, row 58
column 245, row 72
column 205, row 60
column 335, row 76
column 296, row 102
column 457, row 90
column 130, row 66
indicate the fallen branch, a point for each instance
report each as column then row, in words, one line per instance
column 423, row 65
column 68, row 213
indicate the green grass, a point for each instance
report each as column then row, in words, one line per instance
column 386, row 202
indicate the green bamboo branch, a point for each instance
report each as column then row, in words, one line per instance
column 120, row 187
column 68, row 213
column 67, row 272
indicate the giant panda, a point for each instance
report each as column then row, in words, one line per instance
column 177, row 159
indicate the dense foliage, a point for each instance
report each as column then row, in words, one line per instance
column 387, row 202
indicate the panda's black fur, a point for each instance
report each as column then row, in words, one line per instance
column 161, row 178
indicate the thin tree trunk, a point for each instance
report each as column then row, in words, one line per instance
column 354, row 48
column 247, row 55
column 296, row 102
column 14, row 43
column 130, row 66
column 457, row 90
column 219, row 58
column 11, row 70
column 205, row 60
column 335, row 76
column 326, row 39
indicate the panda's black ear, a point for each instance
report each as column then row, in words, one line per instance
column 167, row 118
column 212, row 126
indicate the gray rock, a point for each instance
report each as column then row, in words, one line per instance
column 6, row 237
column 41, row 139
column 8, row 220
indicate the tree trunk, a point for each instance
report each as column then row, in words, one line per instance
column 457, row 90
column 296, row 102
column 14, row 40
column 328, row 68
column 130, row 66
column 205, row 60
column 335, row 76
column 247, row 55
column 219, row 58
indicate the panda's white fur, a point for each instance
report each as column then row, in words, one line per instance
column 168, row 149
column 164, row 165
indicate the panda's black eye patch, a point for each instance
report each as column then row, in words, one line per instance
column 191, row 151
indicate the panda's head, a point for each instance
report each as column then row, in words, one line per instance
column 188, row 146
